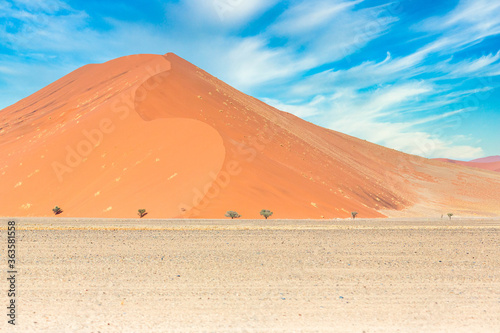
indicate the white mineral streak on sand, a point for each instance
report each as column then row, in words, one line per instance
column 390, row 275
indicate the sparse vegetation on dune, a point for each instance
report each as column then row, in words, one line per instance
column 141, row 213
column 57, row 210
column 232, row 214
column 354, row 214
column 266, row 213
column 450, row 215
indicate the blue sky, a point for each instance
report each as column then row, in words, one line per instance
column 422, row 76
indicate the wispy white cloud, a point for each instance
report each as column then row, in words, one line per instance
column 397, row 136
column 388, row 97
column 338, row 29
column 306, row 18
column 221, row 15
column 481, row 65
column 436, row 117
column 8, row 70
column 237, row 11
column 302, row 110
column 462, row 93
column 480, row 15
column 48, row 6
column 250, row 62
column 39, row 28
column 470, row 22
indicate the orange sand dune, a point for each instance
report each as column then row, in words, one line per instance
column 156, row 132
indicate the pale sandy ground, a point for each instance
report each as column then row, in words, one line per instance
column 385, row 275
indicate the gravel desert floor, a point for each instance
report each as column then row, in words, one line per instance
column 379, row 275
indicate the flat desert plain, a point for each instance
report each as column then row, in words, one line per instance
column 377, row 275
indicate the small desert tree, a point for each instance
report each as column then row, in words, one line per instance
column 266, row 213
column 141, row 213
column 57, row 210
column 354, row 214
column 450, row 215
column 232, row 214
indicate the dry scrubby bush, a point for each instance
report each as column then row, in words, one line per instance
column 266, row 213
column 141, row 212
column 354, row 214
column 57, row 210
column 232, row 214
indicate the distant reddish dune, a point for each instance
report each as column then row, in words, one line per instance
column 489, row 159
column 487, row 163
column 156, row 132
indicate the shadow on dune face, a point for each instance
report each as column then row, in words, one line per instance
column 176, row 93
column 160, row 101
